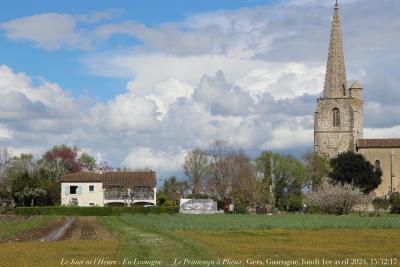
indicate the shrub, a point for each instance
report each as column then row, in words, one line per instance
column 335, row 199
column 241, row 209
column 93, row 211
column 294, row 202
column 381, row 204
column 395, row 203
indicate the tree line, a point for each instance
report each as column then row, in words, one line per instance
column 26, row 182
column 271, row 180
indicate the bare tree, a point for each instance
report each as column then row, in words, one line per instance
column 174, row 189
column 244, row 180
column 220, row 177
column 317, row 168
column 196, row 168
column 4, row 162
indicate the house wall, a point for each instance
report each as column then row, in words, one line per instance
column 390, row 166
column 83, row 195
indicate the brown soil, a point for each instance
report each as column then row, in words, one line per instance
column 86, row 228
column 10, row 217
column 35, row 234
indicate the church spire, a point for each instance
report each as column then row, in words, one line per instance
column 335, row 79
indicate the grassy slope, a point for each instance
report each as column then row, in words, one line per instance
column 19, row 225
column 146, row 242
column 238, row 222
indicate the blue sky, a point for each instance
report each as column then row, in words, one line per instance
column 141, row 83
column 64, row 66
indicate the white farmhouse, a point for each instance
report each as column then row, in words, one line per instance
column 108, row 188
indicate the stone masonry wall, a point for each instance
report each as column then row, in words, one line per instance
column 330, row 140
column 390, row 166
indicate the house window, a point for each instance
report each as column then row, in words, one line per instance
column 91, row 204
column 336, row 117
column 73, row 189
column 91, row 188
column 377, row 164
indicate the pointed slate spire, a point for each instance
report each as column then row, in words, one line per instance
column 335, row 79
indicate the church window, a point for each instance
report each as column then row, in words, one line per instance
column 377, row 164
column 336, row 117
column 344, row 90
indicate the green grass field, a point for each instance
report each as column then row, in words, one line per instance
column 222, row 222
column 161, row 240
column 244, row 237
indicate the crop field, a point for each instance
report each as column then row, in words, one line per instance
column 51, row 254
column 223, row 222
column 243, row 237
column 162, row 240
column 14, row 225
column 288, row 245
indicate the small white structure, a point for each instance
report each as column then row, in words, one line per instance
column 198, row 206
column 103, row 188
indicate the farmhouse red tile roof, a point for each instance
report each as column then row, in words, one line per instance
column 378, row 143
column 114, row 178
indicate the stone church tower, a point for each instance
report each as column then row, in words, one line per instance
column 339, row 116
column 338, row 125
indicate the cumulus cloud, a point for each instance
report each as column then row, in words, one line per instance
column 282, row 138
column 163, row 161
column 221, row 98
column 250, row 76
column 127, row 113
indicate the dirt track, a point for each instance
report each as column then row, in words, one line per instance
column 86, row 228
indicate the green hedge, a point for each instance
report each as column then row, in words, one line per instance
column 93, row 211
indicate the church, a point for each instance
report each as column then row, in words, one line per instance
column 338, row 120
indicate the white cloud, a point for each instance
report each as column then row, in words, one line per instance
column 272, row 61
column 47, row 96
column 49, row 31
column 284, row 137
column 390, row 132
column 127, row 113
column 162, row 161
column 5, row 133
column 221, row 98
column 53, row 31
column 284, row 81
column 165, row 93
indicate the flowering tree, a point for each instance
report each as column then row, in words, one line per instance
column 30, row 194
column 68, row 157
column 335, row 199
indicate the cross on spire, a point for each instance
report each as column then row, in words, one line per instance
column 335, row 79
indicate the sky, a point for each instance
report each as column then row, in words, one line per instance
column 141, row 83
